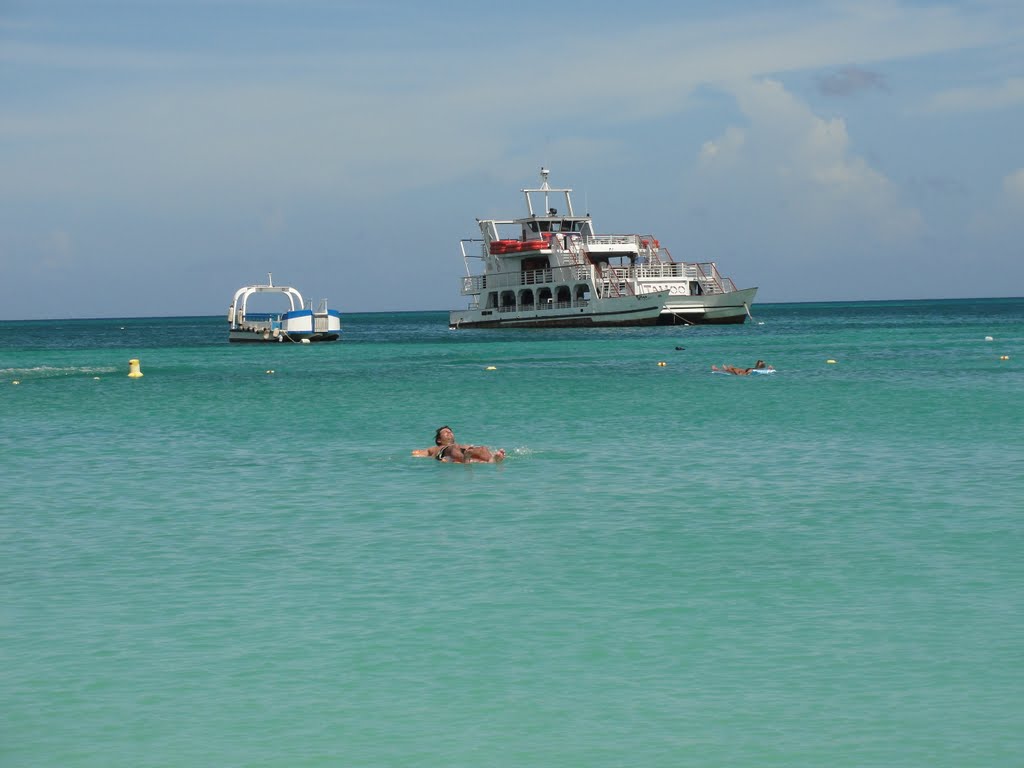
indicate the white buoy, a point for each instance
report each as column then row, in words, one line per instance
column 989, row 338
column 133, row 369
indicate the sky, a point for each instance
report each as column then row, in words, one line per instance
column 156, row 155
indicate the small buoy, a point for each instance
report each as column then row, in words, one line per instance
column 662, row 364
column 989, row 338
column 133, row 369
column 306, row 341
column 95, row 378
column 830, row 362
column 271, row 370
column 1004, row 357
column 15, row 382
column 760, row 322
column 491, row 368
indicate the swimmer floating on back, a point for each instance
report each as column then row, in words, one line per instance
column 760, row 365
column 446, row 449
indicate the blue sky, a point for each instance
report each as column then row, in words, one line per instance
column 156, row 155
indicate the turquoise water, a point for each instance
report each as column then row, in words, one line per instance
column 214, row 565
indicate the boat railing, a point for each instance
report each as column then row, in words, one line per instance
column 711, row 279
column 706, row 274
column 473, row 243
column 607, row 242
column 474, row 284
column 321, row 322
column 617, row 281
column 666, row 270
column 262, row 317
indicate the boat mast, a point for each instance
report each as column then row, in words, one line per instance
column 544, row 173
column 547, row 189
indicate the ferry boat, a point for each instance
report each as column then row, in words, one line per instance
column 298, row 324
column 552, row 269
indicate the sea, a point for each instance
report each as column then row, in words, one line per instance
column 234, row 560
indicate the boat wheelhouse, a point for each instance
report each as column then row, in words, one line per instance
column 552, row 269
column 298, row 324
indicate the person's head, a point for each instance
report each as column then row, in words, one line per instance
column 760, row 364
column 444, row 436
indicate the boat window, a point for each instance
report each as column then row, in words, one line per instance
column 532, row 225
column 567, row 226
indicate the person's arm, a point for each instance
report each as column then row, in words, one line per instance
column 425, row 452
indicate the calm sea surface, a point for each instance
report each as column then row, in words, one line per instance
column 216, row 565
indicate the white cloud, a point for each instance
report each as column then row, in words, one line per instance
column 1009, row 93
column 176, row 123
column 787, row 152
column 57, row 250
column 1013, row 188
column 1004, row 214
column 724, row 150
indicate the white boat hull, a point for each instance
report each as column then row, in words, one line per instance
column 708, row 309
column 622, row 311
column 268, row 336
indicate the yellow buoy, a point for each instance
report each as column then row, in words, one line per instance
column 1004, row 357
column 15, row 382
column 133, row 369
column 830, row 361
column 662, row 364
column 491, row 368
column 271, row 370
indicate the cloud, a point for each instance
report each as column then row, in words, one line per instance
column 56, row 250
column 1009, row 93
column 188, row 126
column 724, row 150
column 1013, row 189
column 788, row 153
column 1005, row 214
column 850, row 80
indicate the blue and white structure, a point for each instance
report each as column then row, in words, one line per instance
column 299, row 324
